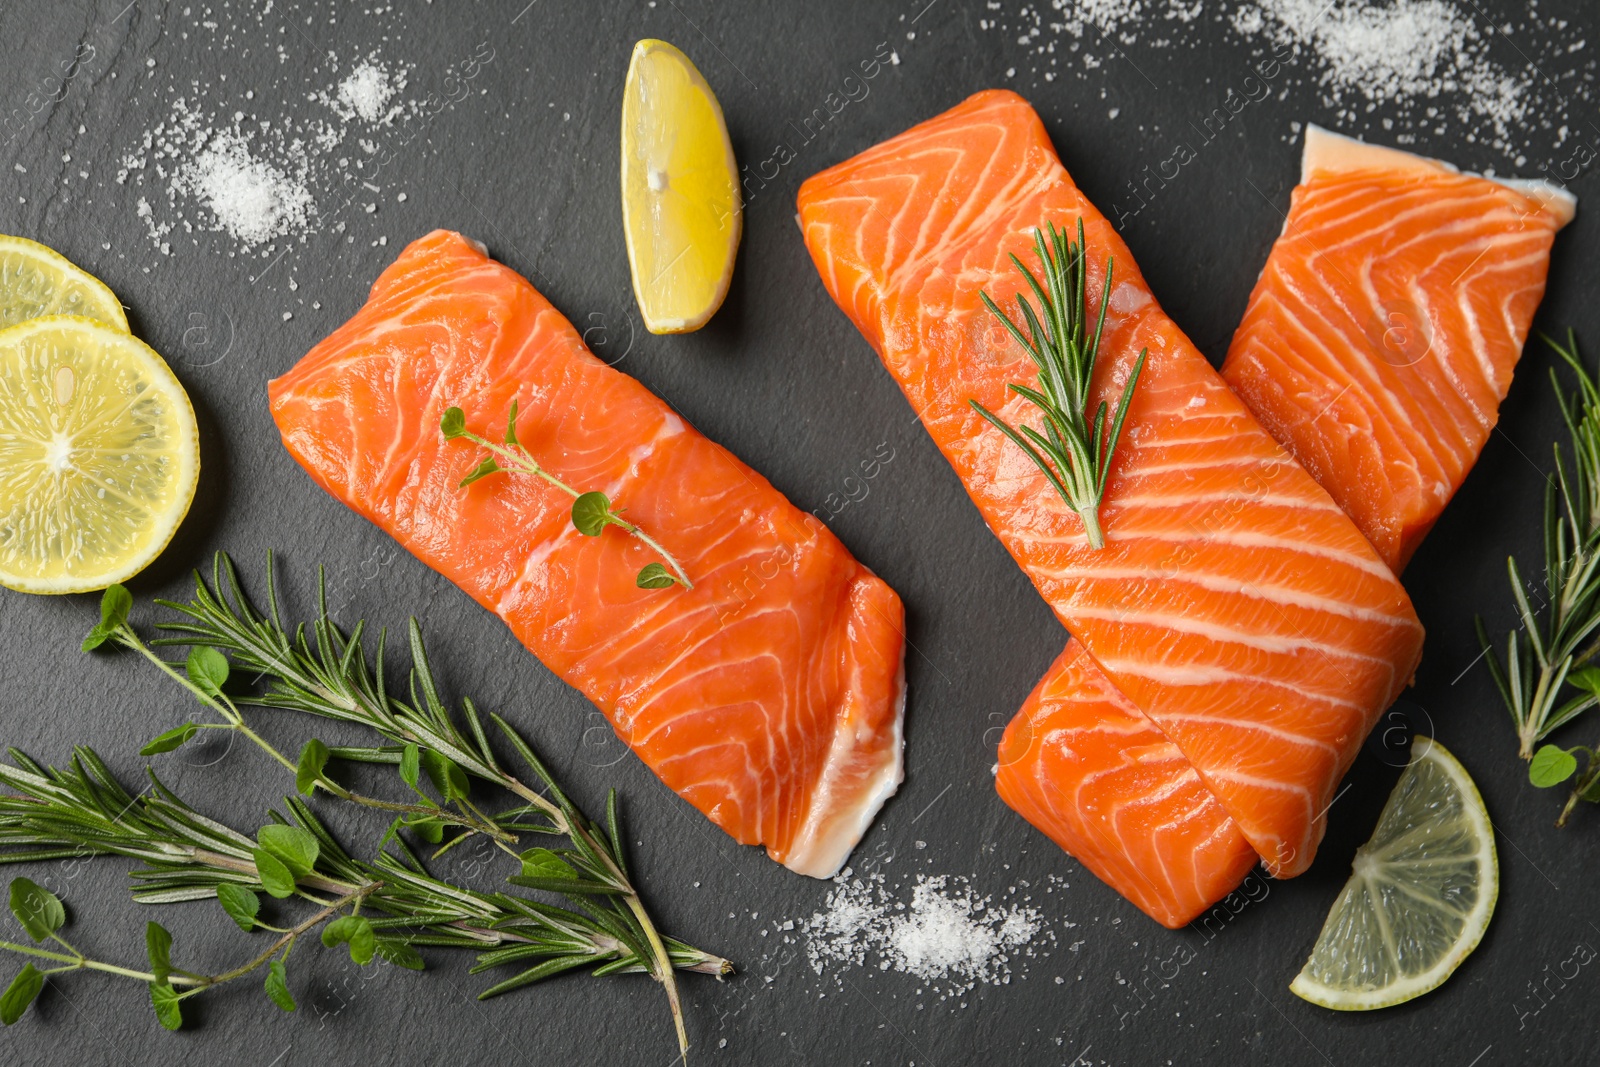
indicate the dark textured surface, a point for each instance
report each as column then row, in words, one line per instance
column 781, row 378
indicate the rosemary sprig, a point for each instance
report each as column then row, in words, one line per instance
column 1074, row 454
column 1547, row 679
column 592, row 512
column 319, row 669
column 206, row 672
column 83, row 810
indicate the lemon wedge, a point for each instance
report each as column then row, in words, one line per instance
column 99, row 455
column 681, row 212
column 35, row 281
column 1420, row 898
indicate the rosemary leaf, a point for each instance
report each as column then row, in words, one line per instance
column 1075, row 451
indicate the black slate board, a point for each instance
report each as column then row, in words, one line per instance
column 781, row 378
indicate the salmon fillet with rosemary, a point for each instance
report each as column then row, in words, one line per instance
column 1085, row 766
column 1383, row 332
column 1234, row 604
column 769, row 695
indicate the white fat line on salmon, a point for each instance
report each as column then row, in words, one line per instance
column 1254, row 88
column 746, row 586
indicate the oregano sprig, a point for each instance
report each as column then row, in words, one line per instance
column 1074, row 452
column 592, row 511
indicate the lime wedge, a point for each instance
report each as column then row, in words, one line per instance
column 1420, row 897
column 35, row 281
column 99, row 455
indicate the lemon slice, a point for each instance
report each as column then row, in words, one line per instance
column 1421, row 896
column 680, row 190
column 35, row 281
column 99, row 455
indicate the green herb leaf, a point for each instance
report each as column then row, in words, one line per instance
column 590, row 513
column 207, row 668
column 1551, row 765
column 410, row 760
column 158, row 946
column 240, row 903
column 1591, row 792
column 542, row 863
column 355, row 931
column 400, row 954
column 453, row 424
column 40, row 911
column 482, row 470
column 297, row 848
column 511, row 425
column 115, row 604
column 313, row 758
column 1074, row 454
column 176, row 737
column 165, row 1000
column 276, row 878
column 1587, row 678
column 447, row 778
column 20, row 993
column 655, row 576
column 426, row 827
column 277, row 986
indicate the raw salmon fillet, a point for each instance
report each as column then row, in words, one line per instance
column 1383, row 332
column 769, row 696
column 1084, row 765
column 1291, row 376
column 1234, row 603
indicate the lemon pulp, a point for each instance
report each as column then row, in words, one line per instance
column 99, row 455
column 1420, row 896
column 36, row 281
column 681, row 212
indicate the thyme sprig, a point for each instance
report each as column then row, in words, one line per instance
column 592, row 511
column 1547, row 679
column 1074, row 453
column 317, row 668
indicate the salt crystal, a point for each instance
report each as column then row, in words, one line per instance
column 945, row 934
column 250, row 199
column 367, row 91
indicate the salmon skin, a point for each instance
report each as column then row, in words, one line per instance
column 769, row 696
column 1382, row 334
column 1234, row 603
column 1084, row 765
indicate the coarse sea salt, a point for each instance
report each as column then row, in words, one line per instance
column 946, row 934
column 249, row 198
column 366, row 93
column 1399, row 71
column 257, row 179
column 1390, row 54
